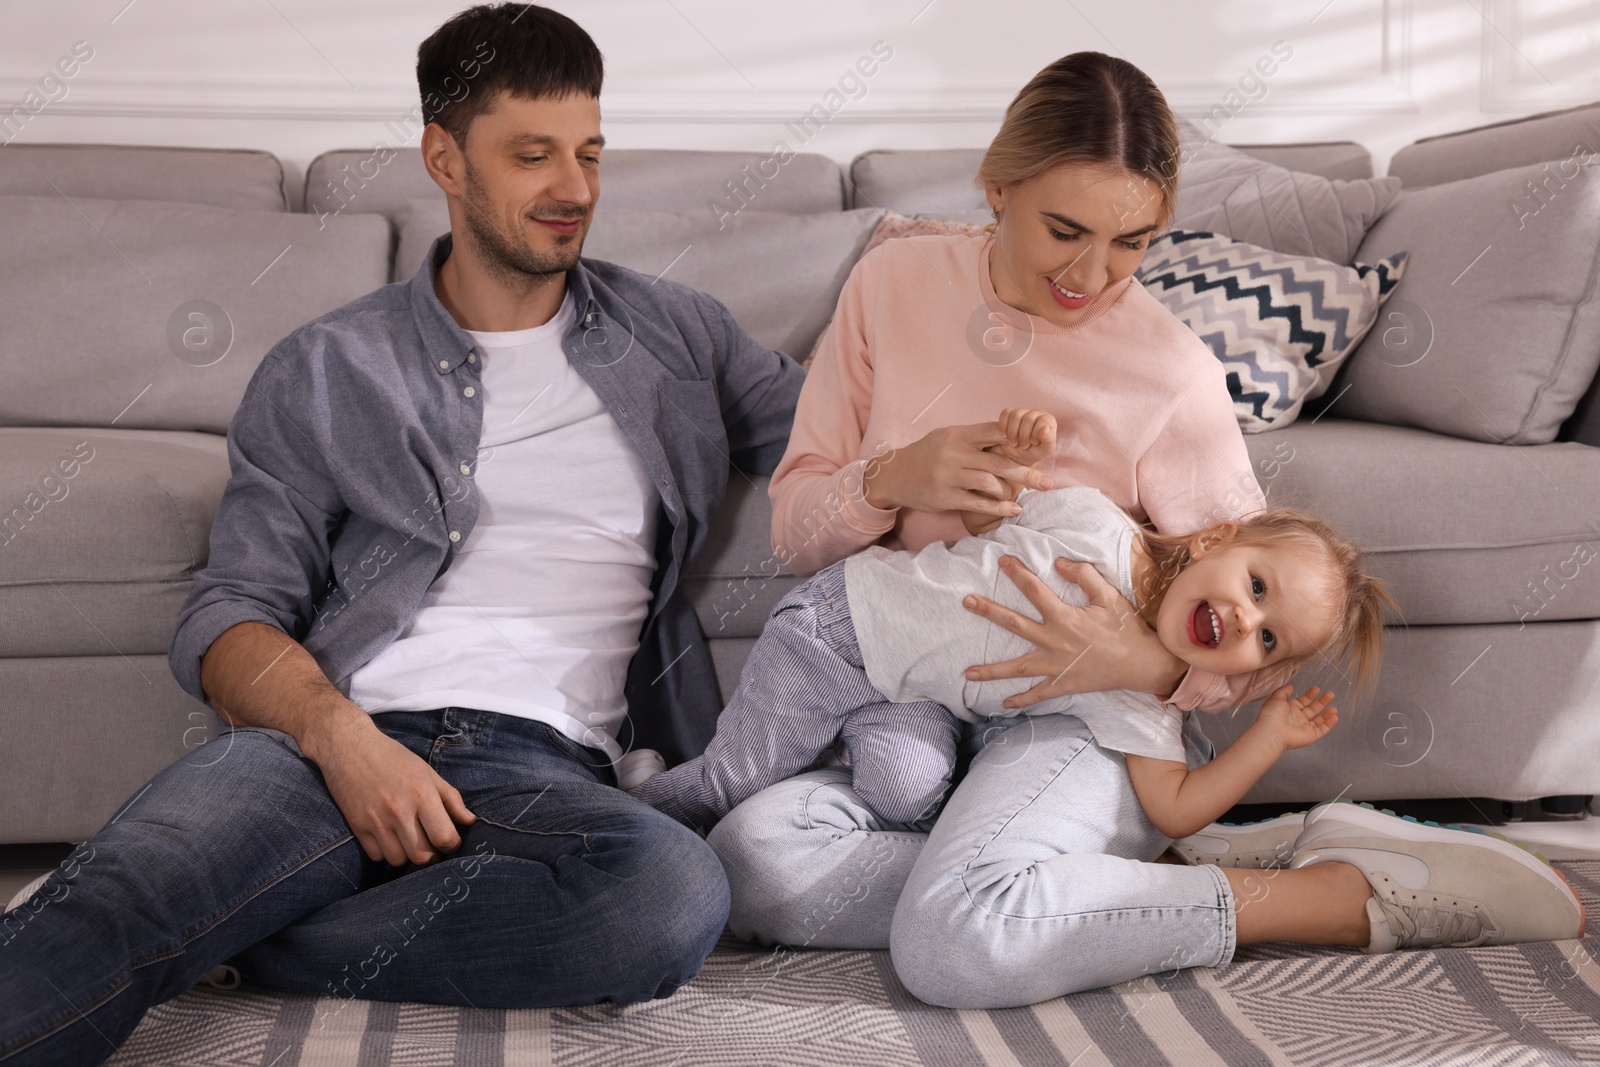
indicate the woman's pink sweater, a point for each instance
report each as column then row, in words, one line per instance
column 1142, row 405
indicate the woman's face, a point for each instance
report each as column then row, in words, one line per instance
column 1067, row 236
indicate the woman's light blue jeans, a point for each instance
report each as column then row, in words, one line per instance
column 1036, row 881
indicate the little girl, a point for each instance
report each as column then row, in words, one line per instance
column 867, row 651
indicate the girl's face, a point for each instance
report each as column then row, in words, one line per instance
column 1239, row 607
column 1067, row 236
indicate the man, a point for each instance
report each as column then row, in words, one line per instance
column 444, row 590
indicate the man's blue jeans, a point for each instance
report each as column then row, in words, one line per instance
column 565, row 891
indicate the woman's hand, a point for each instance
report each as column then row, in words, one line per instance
column 948, row 470
column 1105, row 645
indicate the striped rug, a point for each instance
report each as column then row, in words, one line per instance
column 1274, row 1004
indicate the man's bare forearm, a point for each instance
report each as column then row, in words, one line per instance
column 256, row 675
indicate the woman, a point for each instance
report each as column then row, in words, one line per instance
column 1038, row 878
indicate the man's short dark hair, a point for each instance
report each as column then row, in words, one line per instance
column 521, row 49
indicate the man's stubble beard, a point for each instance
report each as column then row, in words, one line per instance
column 507, row 256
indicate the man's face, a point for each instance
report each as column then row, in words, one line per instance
column 530, row 179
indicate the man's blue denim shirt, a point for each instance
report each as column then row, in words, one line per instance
column 354, row 449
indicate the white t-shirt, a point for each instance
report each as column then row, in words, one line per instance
column 540, row 613
column 917, row 640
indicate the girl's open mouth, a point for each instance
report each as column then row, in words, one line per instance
column 1205, row 629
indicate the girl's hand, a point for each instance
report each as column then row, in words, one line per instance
column 1105, row 645
column 948, row 470
column 1030, row 435
column 1297, row 721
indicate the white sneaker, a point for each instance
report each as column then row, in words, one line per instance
column 223, row 976
column 637, row 767
column 27, row 891
column 1264, row 845
column 1441, row 886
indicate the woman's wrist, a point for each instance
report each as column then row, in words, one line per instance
column 874, row 488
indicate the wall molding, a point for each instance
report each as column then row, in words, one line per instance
column 649, row 105
column 972, row 101
column 1502, row 84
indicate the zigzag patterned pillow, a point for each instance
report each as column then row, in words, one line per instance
column 1281, row 324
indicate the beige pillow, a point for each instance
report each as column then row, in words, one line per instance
column 1494, row 334
column 1222, row 190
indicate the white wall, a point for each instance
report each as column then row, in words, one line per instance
column 298, row 77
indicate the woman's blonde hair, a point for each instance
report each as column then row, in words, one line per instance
column 1088, row 108
column 1358, row 627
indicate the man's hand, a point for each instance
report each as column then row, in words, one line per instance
column 397, row 806
column 1297, row 721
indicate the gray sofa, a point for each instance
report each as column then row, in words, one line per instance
column 142, row 285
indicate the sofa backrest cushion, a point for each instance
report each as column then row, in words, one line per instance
column 1554, row 135
column 365, row 180
column 930, row 181
column 1223, row 190
column 154, row 315
column 938, row 183
column 1494, row 333
column 222, row 177
column 780, row 275
column 1345, row 160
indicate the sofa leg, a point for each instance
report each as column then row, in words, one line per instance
column 1564, row 807
column 1514, row 810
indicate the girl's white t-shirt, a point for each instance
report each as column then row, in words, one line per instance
column 917, row 640
column 541, row 611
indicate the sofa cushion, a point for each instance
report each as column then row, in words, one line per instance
column 417, row 224
column 1468, row 532
column 934, row 181
column 1495, row 332
column 238, row 178
column 83, row 734
column 1223, row 190
column 1553, row 135
column 737, row 580
column 1280, row 324
column 352, row 180
column 1344, row 160
column 938, row 182
column 154, row 314
column 102, row 533
column 780, row 275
